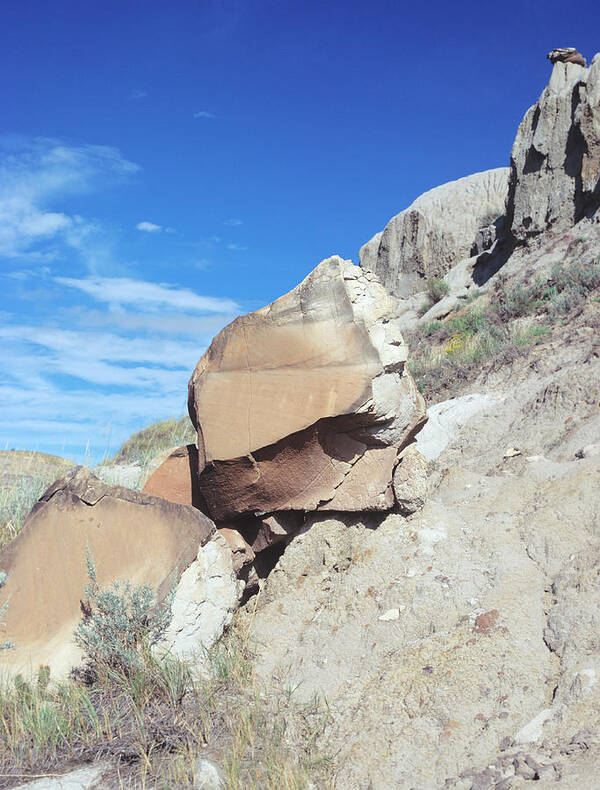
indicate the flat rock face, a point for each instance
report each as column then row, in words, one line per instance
column 297, row 405
column 439, row 229
column 130, row 536
column 556, row 154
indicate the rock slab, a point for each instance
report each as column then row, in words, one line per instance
column 297, row 405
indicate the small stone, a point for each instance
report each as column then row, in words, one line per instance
column 533, row 764
column 485, row 622
column 391, row 614
column 512, row 452
column 484, row 780
column 547, row 772
column 207, row 775
column 522, row 769
column 505, row 743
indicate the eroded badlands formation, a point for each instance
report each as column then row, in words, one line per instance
column 437, row 583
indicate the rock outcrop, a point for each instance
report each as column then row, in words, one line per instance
column 555, row 160
column 130, row 536
column 451, row 222
column 303, row 405
column 566, row 55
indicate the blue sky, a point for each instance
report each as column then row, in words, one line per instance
column 166, row 166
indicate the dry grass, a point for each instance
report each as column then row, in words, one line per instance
column 23, row 479
column 144, row 445
column 446, row 353
column 154, row 722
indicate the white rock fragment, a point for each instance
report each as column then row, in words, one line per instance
column 532, row 731
column 391, row 614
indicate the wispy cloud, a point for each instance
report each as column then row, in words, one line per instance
column 238, row 247
column 233, row 223
column 149, row 227
column 125, row 291
column 164, row 323
column 35, row 173
column 137, row 94
column 204, row 114
column 81, row 349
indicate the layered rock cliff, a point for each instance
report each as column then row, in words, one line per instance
column 451, row 222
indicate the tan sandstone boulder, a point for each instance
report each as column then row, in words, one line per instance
column 131, row 536
column 297, row 405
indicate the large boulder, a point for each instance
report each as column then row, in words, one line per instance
column 131, row 536
column 443, row 226
column 304, row 404
column 555, row 160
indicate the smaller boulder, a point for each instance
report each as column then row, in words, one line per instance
column 173, row 475
column 566, row 55
column 130, row 535
column 411, row 481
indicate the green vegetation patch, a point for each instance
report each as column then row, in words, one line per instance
column 450, row 350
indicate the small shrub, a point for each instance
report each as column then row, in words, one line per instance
column 424, row 307
column 437, row 289
column 120, row 624
column 516, row 301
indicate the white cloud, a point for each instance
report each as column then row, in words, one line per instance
column 37, row 172
column 183, row 326
column 236, row 247
column 149, row 227
column 204, row 114
column 124, row 382
column 126, row 291
column 136, row 94
column 233, row 223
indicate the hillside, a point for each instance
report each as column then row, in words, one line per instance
column 380, row 558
